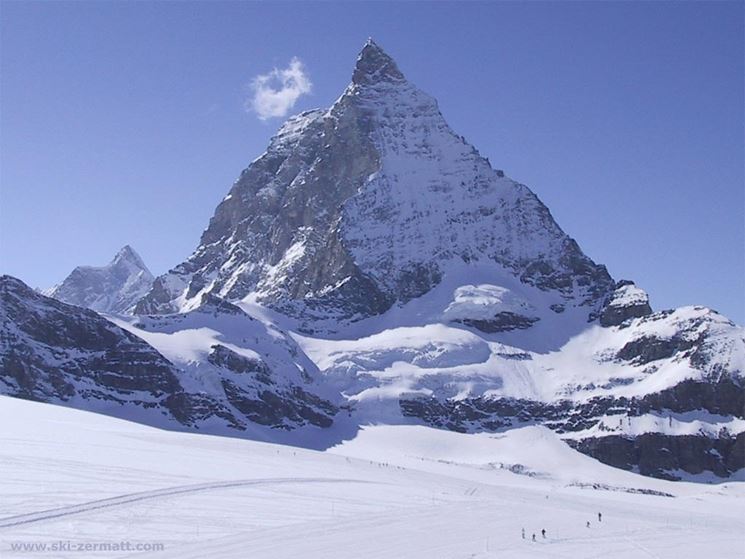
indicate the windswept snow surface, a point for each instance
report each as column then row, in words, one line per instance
column 394, row 491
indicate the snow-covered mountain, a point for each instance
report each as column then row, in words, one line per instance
column 114, row 288
column 368, row 204
column 201, row 379
column 372, row 268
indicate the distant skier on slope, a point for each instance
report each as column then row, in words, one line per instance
column 523, row 533
column 588, row 523
column 543, row 533
column 533, row 537
column 600, row 517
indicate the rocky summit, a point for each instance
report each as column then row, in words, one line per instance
column 371, row 267
column 367, row 205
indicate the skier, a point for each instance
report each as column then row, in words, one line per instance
column 523, row 533
column 588, row 523
column 600, row 517
column 543, row 533
column 533, row 537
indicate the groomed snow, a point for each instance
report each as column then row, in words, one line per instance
column 407, row 492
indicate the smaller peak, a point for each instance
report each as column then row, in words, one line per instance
column 128, row 254
column 10, row 283
column 370, row 43
column 374, row 65
column 126, row 250
column 7, row 279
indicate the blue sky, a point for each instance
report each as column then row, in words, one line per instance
column 126, row 122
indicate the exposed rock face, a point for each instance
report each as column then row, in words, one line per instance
column 369, row 203
column 724, row 398
column 627, row 301
column 114, row 288
column 278, row 409
column 652, row 348
column 501, row 322
column 665, row 456
column 221, row 356
column 589, row 426
column 54, row 352
column 244, row 364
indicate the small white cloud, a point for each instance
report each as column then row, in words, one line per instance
column 275, row 93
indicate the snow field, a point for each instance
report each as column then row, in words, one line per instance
column 393, row 491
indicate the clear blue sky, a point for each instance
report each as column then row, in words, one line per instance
column 124, row 122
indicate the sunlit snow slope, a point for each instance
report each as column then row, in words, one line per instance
column 408, row 492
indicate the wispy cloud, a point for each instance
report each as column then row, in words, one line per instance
column 275, row 93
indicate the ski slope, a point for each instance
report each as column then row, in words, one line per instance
column 392, row 491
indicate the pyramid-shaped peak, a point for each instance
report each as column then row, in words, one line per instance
column 128, row 254
column 374, row 65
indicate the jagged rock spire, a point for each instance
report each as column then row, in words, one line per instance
column 374, row 65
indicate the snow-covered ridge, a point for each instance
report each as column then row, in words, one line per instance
column 214, row 369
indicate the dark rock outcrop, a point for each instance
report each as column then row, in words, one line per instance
column 666, row 456
column 502, row 322
column 279, row 409
column 653, row 454
column 625, row 302
column 229, row 359
column 52, row 351
column 653, row 348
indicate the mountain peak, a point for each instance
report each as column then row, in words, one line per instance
column 374, row 65
column 409, row 201
column 113, row 288
column 128, row 254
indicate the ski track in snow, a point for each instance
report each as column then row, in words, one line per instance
column 50, row 514
column 392, row 492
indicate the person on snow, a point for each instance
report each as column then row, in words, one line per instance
column 543, row 533
column 533, row 537
column 588, row 523
column 600, row 517
column 523, row 533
